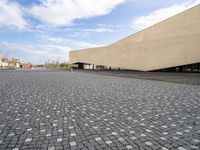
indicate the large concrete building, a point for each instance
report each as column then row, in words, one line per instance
column 173, row 44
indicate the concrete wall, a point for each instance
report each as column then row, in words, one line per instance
column 173, row 42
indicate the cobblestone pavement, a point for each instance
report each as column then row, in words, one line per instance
column 54, row 110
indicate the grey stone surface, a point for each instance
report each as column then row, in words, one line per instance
column 73, row 110
column 175, row 77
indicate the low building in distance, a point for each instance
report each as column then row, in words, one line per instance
column 6, row 63
column 26, row 65
column 14, row 63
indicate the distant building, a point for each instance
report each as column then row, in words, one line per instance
column 14, row 63
column 4, row 63
column 0, row 62
column 39, row 66
column 26, row 66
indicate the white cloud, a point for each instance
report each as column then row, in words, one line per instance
column 11, row 15
column 64, row 12
column 159, row 15
column 98, row 30
column 82, row 44
column 84, row 32
column 74, row 44
column 53, row 50
column 52, row 39
column 35, row 53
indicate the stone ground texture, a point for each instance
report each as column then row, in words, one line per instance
column 54, row 110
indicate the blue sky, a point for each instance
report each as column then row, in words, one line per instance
column 39, row 30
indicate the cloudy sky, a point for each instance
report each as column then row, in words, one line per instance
column 38, row 30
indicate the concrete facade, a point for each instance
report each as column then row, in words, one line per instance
column 173, row 42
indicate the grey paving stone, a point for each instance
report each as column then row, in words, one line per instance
column 51, row 109
column 59, row 139
column 108, row 142
column 129, row 147
column 72, row 143
column 15, row 148
column 28, row 140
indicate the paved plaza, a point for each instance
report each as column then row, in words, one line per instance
column 55, row 110
column 175, row 77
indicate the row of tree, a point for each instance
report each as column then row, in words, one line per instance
column 56, row 64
